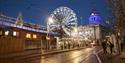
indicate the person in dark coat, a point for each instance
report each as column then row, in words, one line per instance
column 104, row 46
column 121, row 46
column 110, row 46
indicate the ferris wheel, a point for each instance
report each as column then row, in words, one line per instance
column 64, row 21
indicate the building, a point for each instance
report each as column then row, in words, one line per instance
column 94, row 31
column 94, row 17
column 89, row 32
column 18, row 36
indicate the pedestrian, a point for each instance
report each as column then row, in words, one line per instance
column 104, row 46
column 110, row 46
column 121, row 46
column 97, row 42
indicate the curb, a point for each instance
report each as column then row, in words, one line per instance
column 98, row 58
column 61, row 51
column 96, row 54
column 34, row 53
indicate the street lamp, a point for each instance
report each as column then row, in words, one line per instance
column 50, row 20
column 75, row 30
column 75, row 34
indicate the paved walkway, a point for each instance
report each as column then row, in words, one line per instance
column 26, row 56
column 112, row 58
column 93, row 57
column 100, row 57
column 37, row 52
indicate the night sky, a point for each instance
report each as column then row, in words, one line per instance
column 37, row 11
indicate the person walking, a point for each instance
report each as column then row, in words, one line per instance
column 110, row 46
column 121, row 46
column 104, row 46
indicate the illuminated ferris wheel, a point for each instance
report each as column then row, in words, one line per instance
column 64, row 21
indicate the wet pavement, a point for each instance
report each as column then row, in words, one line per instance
column 67, row 57
column 112, row 58
column 76, row 56
column 91, row 59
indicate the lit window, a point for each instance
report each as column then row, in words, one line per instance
column 6, row 32
column 48, row 38
column 28, row 35
column 34, row 36
column 15, row 33
column 92, row 14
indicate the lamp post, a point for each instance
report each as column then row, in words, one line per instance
column 94, row 30
column 75, row 35
column 50, row 20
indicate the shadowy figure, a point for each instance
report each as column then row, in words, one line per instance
column 121, row 46
column 110, row 46
column 97, row 42
column 104, row 46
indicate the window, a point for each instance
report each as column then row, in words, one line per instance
column 28, row 35
column 34, row 36
column 15, row 33
column 6, row 32
column 94, row 18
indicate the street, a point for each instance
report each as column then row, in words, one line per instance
column 84, row 55
column 67, row 57
column 62, row 31
column 77, row 56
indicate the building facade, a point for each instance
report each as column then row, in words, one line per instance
column 19, row 38
column 92, row 33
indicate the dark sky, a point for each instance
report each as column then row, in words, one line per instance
column 37, row 11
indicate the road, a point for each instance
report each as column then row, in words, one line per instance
column 76, row 56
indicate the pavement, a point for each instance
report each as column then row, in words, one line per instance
column 91, row 59
column 100, row 57
column 32, row 56
column 82, row 55
column 37, row 52
column 59, row 51
column 112, row 58
column 74, row 56
column 92, row 55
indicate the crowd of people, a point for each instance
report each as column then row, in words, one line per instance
column 106, row 44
